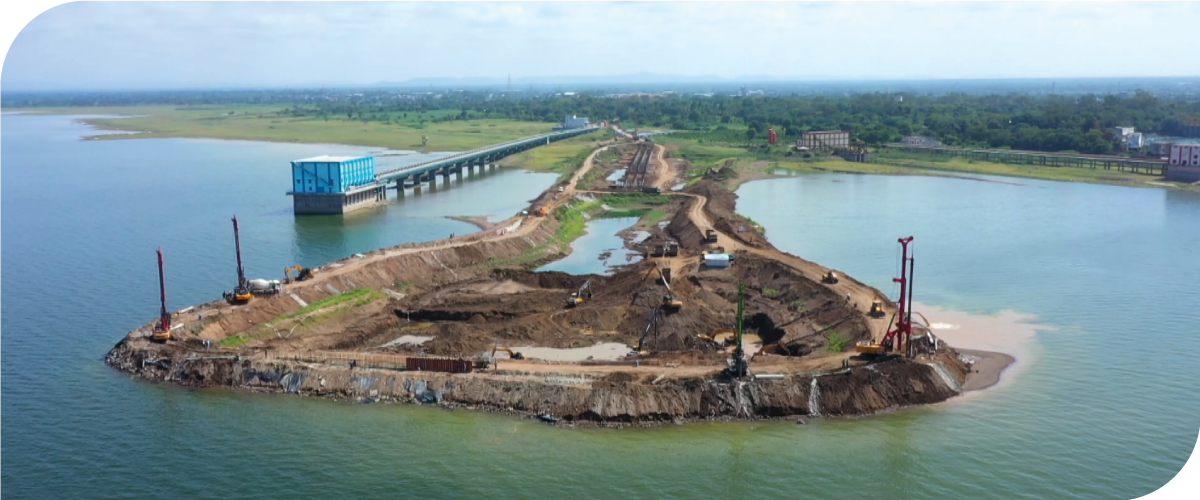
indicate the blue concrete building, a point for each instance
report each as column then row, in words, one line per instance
column 332, row 174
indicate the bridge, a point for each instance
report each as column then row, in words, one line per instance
column 372, row 193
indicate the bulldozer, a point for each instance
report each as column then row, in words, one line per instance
column 710, row 236
column 304, row 273
column 876, row 309
column 584, row 294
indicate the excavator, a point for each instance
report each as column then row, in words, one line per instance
column 893, row 340
column 668, row 301
column 511, row 353
column 726, row 333
column 579, row 297
column 162, row 329
column 241, row 293
column 304, row 273
column 767, row 349
column 830, row 278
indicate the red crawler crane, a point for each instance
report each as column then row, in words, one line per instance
column 895, row 340
column 162, row 329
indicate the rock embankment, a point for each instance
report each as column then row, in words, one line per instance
column 614, row 399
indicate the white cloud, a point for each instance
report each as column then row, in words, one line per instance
column 272, row 44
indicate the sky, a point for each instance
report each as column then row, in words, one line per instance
column 146, row 45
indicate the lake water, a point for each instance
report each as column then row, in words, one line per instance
column 601, row 239
column 1104, row 408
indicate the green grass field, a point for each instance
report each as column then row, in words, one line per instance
column 559, row 157
column 265, row 123
column 702, row 156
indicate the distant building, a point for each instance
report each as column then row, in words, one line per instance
column 1183, row 164
column 1122, row 133
column 573, row 122
column 920, row 140
column 1134, row 140
column 332, row 174
column 1159, row 148
column 824, row 140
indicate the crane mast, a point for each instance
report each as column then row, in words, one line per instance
column 237, row 243
column 164, row 317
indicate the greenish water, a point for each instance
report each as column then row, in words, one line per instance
column 1105, row 408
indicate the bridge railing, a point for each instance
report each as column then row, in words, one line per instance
column 382, row 176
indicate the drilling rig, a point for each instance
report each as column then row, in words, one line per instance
column 739, row 366
column 241, row 293
column 162, row 329
column 895, row 340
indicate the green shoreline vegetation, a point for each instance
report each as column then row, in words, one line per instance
column 763, row 161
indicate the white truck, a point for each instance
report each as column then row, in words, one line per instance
column 265, row 287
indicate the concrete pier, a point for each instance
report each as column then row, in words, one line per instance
column 339, row 203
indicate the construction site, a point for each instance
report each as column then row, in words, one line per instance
column 712, row 323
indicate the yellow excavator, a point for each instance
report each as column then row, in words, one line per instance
column 511, row 353
column 767, row 349
column 720, row 335
column 669, row 301
column 303, row 273
column 241, row 293
column 584, row 294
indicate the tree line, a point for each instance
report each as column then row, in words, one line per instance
column 1080, row 123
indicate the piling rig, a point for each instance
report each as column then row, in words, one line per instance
column 241, row 293
column 898, row 338
column 162, row 329
column 738, row 365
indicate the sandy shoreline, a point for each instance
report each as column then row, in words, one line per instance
column 986, row 368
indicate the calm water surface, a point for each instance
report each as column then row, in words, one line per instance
column 1105, row 409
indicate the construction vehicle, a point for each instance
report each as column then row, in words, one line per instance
column 511, row 353
column 264, row 287
column 896, row 339
column 162, row 329
column 710, row 236
column 241, row 293
column 876, row 309
column 738, row 365
column 579, row 297
column 651, row 325
column 304, row 273
column 767, row 349
column 830, row 278
column 542, row 211
column 720, row 336
column 668, row 301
